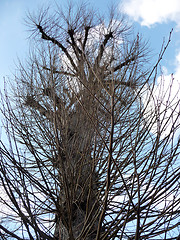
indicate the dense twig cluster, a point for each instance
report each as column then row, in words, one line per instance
column 91, row 166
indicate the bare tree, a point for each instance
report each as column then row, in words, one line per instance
column 87, row 155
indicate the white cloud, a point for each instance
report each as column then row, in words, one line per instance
column 165, row 101
column 149, row 12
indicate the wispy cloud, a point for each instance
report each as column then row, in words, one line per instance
column 165, row 101
column 151, row 12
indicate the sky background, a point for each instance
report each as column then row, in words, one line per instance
column 154, row 19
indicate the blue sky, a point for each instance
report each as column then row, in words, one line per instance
column 154, row 19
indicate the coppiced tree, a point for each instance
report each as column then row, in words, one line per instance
column 88, row 157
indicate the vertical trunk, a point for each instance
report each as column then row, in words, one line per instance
column 78, row 202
